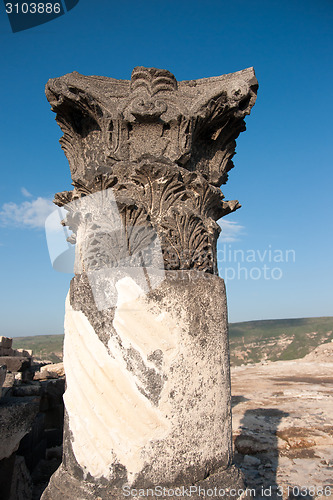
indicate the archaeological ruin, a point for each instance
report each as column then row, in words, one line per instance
column 146, row 355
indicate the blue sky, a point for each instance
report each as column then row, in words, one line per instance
column 283, row 168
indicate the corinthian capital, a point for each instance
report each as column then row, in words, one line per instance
column 163, row 145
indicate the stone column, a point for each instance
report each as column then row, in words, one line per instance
column 146, row 339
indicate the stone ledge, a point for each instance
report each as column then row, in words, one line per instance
column 16, row 418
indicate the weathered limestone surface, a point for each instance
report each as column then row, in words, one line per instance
column 16, row 418
column 148, row 384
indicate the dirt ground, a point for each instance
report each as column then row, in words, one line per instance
column 283, row 425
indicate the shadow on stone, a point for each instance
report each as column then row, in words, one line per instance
column 235, row 400
column 256, row 450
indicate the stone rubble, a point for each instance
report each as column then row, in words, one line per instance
column 31, row 422
column 16, row 360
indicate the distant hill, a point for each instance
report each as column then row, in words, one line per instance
column 44, row 347
column 278, row 339
column 250, row 341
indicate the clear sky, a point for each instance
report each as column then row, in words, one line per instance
column 277, row 250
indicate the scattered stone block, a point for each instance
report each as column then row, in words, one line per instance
column 6, row 342
column 23, row 352
column 248, row 444
column 8, row 384
column 54, row 368
column 250, row 460
column 15, row 363
column 7, row 351
column 9, row 380
column 45, row 375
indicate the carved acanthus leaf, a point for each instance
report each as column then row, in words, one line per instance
column 113, row 242
column 100, row 182
column 161, row 188
column 186, row 243
column 63, row 198
column 153, row 80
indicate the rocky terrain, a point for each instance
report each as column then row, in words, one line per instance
column 277, row 340
column 283, row 425
column 31, row 422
